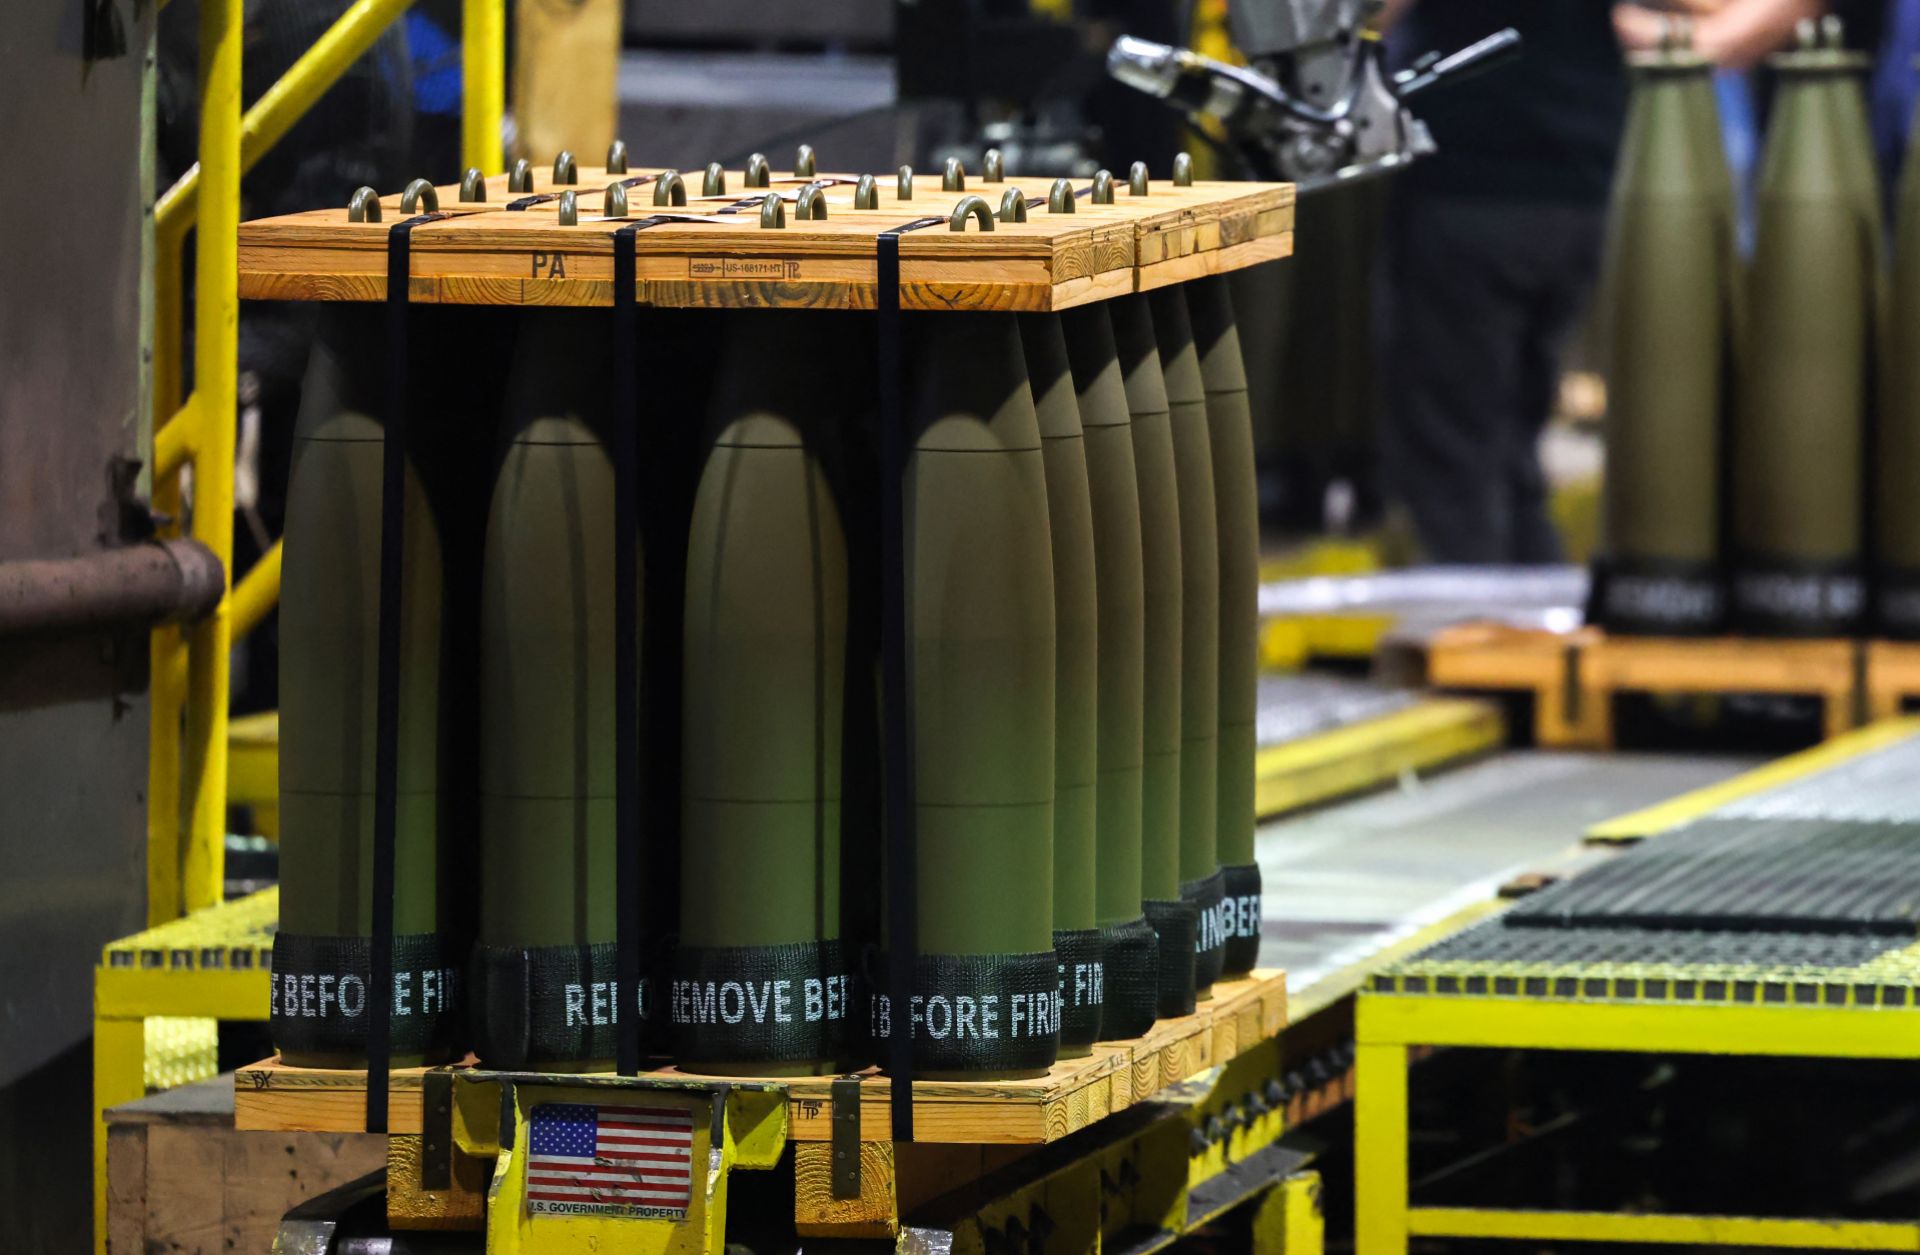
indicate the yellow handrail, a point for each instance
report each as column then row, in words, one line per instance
column 186, row 823
column 187, row 754
column 288, row 100
column 258, row 591
column 173, row 443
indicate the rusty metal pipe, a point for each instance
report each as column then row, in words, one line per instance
column 160, row 581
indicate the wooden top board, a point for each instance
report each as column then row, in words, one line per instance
column 1068, row 1097
column 716, row 255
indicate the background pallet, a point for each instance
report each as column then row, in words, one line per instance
column 182, row 1180
column 1574, row 676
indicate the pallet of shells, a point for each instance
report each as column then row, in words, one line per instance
column 505, row 509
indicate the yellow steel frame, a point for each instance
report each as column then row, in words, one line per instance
column 213, row 964
column 187, row 771
column 1288, row 643
column 1314, row 769
column 1388, row 1025
column 187, row 775
column 750, row 1126
column 1138, row 1180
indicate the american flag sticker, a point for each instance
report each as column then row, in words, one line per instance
column 588, row 1160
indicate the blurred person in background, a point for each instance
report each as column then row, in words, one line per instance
column 1493, row 244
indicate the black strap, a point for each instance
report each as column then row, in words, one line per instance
column 541, row 198
column 1242, row 884
column 550, row 1004
column 896, row 701
column 762, row 1004
column 628, row 829
column 979, row 1013
column 626, row 637
column 386, row 719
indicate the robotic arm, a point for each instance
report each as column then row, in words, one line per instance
column 1317, row 106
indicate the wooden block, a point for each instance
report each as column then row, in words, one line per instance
column 462, row 1205
column 127, row 1189
column 182, row 1179
column 270, row 1096
column 817, row 1213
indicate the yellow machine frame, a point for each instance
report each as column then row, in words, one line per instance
column 1389, row 1025
column 1395, row 1018
column 194, row 438
column 1142, row 1177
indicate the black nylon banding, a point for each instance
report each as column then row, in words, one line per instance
column 551, row 1004
column 1896, row 603
column 762, row 1004
column 629, row 828
column 1177, row 925
column 1657, row 598
column 896, row 714
column 636, row 829
column 386, row 718
column 1131, row 953
column 977, row 1013
column 1083, row 982
column 1207, row 896
column 1241, row 883
column 319, row 1001
column 1778, row 597
column 626, row 649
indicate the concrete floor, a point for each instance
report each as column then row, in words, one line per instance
column 1347, row 880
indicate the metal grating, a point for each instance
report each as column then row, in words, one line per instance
column 1807, row 894
column 1749, row 874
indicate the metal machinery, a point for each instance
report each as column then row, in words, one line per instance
column 1137, row 1179
column 1318, row 105
column 1765, row 917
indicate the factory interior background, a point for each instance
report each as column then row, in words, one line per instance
column 1017, row 627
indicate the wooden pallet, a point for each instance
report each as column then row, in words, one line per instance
column 1574, row 676
column 486, row 254
column 181, row 1179
column 1073, row 1094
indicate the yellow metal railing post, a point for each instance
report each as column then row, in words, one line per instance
column 216, row 327
column 483, row 79
column 187, row 772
